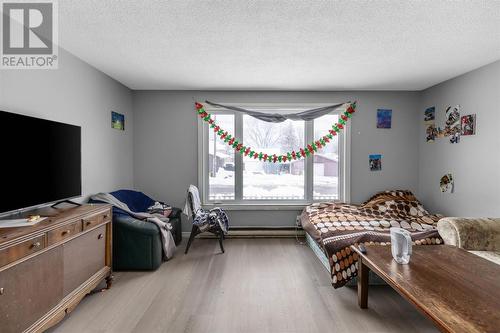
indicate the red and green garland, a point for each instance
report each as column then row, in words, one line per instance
column 310, row 149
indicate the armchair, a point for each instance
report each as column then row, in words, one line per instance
column 480, row 236
column 136, row 243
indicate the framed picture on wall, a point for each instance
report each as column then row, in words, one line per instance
column 384, row 118
column 430, row 116
column 468, row 124
column 117, row 121
column 375, row 162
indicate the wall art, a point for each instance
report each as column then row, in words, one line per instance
column 447, row 183
column 431, row 133
column 452, row 128
column 117, row 121
column 430, row 116
column 375, row 162
column 384, row 118
column 468, row 124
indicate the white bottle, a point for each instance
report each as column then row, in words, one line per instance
column 401, row 245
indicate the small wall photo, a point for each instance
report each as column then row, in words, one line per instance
column 430, row 115
column 384, row 118
column 117, row 121
column 468, row 124
column 431, row 133
column 452, row 127
column 375, row 162
column 446, row 183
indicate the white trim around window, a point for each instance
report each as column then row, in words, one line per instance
column 344, row 165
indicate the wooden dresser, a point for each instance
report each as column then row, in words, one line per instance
column 47, row 269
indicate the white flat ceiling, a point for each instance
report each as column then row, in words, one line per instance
column 281, row 45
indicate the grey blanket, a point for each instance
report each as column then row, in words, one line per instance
column 271, row 117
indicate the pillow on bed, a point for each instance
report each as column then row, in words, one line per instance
column 392, row 198
column 391, row 195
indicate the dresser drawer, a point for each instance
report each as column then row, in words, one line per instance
column 66, row 231
column 83, row 257
column 21, row 250
column 94, row 220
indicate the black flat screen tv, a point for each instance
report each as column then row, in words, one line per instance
column 41, row 161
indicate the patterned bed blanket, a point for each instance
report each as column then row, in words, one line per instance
column 337, row 226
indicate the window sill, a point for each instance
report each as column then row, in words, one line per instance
column 290, row 206
column 242, row 207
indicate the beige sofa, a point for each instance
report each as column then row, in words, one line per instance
column 480, row 236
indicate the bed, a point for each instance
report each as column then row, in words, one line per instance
column 333, row 227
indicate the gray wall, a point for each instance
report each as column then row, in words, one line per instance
column 158, row 150
column 165, row 143
column 475, row 161
column 78, row 94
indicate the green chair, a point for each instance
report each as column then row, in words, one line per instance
column 137, row 243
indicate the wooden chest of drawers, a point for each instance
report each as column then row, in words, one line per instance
column 46, row 269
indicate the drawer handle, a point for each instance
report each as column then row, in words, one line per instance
column 99, row 236
column 36, row 245
column 89, row 223
column 1, row 291
column 105, row 216
column 66, row 232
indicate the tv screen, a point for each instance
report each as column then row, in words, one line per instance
column 41, row 161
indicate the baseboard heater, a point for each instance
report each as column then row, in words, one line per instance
column 257, row 232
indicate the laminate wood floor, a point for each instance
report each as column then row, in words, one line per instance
column 258, row 285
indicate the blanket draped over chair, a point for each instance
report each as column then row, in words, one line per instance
column 214, row 220
column 204, row 219
column 158, row 219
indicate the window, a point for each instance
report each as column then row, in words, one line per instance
column 221, row 162
column 233, row 179
column 273, row 181
column 326, row 162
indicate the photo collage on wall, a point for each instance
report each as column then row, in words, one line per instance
column 455, row 125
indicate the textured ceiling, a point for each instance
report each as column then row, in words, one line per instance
column 281, row 45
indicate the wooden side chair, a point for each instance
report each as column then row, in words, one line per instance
column 195, row 230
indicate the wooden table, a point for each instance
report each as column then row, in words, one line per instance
column 457, row 290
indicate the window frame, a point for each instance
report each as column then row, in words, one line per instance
column 238, row 203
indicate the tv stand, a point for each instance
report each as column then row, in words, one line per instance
column 65, row 201
column 48, row 268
